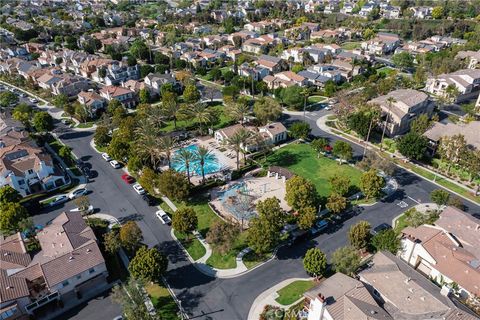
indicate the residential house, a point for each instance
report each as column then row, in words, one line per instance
column 293, row 54
column 383, row 43
column 126, row 96
column 230, row 52
column 347, row 8
column 469, row 131
column 92, row 101
column 273, row 133
column 28, row 168
column 68, row 267
column 155, row 81
column 328, row 34
column 466, row 82
column 331, row 7
column 222, row 135
column 406, row 294
column 118, row 72
column 298, row 33
column 422, row 12
column 327, row 71
column 367, row 8
column 390, row 12
column 257, row 72
column 340, row 297
column 244, row 35
column 273, row 64
column 285, row 79
column 135, row 85
column 259, row 45
column 89, row 67
column 400, row 107
column 62, row 83
column 448, row 251
column 472, row 58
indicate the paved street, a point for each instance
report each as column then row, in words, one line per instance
column 204, row 297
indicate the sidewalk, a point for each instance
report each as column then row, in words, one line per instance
column 268, row 298
column 321, row 123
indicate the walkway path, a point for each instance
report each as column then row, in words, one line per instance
column 268, row 298
column 322, row 124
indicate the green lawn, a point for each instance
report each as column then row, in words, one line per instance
column 385, row 70
column 401, row 223
column 302, row 160
column 85, row 125
column 193, row 246
column 293, row 292
column 252, row 259
column 316, row 99
column 228, row 260
column 56, row 145
column 351, row 45
column 162, row 301
column 222, row 121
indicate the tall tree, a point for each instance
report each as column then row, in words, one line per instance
column 185, row 157
column 131, row 298
column 9, row 194
column 12, row 213
column 346, row 260
column 387, row 240
column 343, row 150
column 185, row 220
column 130, row 236
column 267, row 110
column 174, row 185
column 339, row 184
column 301, row 193
column 148, row 265
column 359, row 235
column 452, row 149
column 412, row 145
column 390, row 102
column 170, row 107
column 200, row 113
column 315, row 262
column 237, row 110
column 203, row 155
column 336, row 203
column 371, row 184
column 237, row 142
column 166, row 144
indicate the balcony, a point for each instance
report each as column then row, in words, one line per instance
column 43, row 301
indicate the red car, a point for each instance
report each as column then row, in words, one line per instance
column 128, row 179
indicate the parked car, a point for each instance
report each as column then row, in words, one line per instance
column 381, row 227
column 163, row 217
column 128, row 178
column 87, row 172
column 115, row 164
column 58, row 200
column 149, row 199
column 80, row 163
column 319, row 227
column 138, row 188
column 77, row 193
column 88, row 210
column 33, row 100
column 106, row 157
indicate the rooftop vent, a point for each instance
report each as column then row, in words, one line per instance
column 70, row 258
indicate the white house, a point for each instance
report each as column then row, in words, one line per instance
column 466, row 82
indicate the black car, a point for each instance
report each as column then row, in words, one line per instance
column 381, row 227
column 149, row 200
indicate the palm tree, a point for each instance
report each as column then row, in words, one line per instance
column 239, row 139
column 200, row 113
column 391, row 101
column 202, row 155
column 147, row 147
column 155, row 116
column 186, row 156
column 170, row 107
column 237, row 110
column 166, row 144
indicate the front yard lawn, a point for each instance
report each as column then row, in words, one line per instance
column 251, row 259
column 193, row 246
column 293, row 292
column 316, row 99
column 162, row 301
column 302, row 160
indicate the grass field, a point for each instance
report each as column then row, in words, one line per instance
column 293, row 292
column 385, row 70
column 85, row 125
column 302, row 160
column 193, row 246
column 316, row 99
column 252, row 259
column 351, row 45
column 162, row 301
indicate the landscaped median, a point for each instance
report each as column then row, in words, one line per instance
column 162, row 301
column 223, row 264
column 293, row 292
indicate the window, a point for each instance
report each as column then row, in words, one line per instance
column 65, row 283
column 79, row 277
column 91, row 270
column 376, row 293
column 30, row 171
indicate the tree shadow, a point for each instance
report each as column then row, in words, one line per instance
column 131, row 217
column 174, row 253
column 283, row 158
column 187, row 276
column 75, row 135
column 190, row 299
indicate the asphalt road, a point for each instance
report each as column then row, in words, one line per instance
column 204, row 297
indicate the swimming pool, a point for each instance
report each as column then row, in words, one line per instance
column 212, row 164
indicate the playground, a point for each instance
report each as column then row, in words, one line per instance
column 236, row 200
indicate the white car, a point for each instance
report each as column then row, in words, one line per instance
column 106, row 157
column 77, row 193
column 163, row 216
column 58, row 200
column 115, row 164
column 138, row 188
column 88, row 210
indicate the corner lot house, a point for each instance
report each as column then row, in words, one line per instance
column 466, row 82
column 448, row 251
column 382, row 44
column 470, row 132
column 407, row 105
column 341, row 297
column 126, row 96
column 406, row 294
column 68, row 268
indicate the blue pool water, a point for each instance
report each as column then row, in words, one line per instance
column 211, row 163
